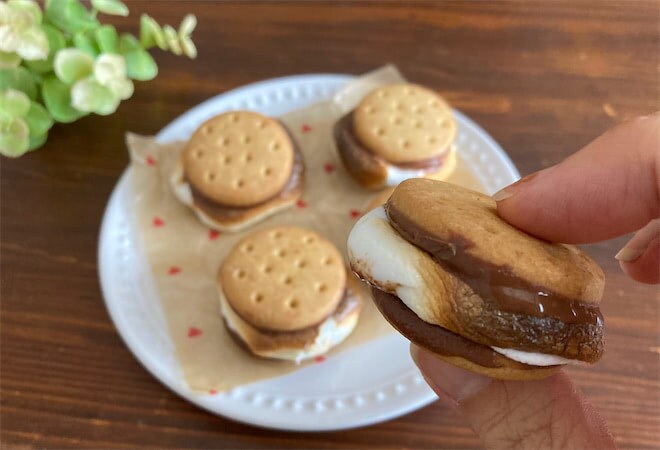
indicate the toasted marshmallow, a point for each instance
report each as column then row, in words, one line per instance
column 381, row 257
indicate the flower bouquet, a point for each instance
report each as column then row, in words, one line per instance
column 62, row 63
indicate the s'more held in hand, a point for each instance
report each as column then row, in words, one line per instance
column 397, row 132
column 237, row 169
column 453, row 277
column 285, row 294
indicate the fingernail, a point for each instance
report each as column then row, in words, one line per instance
column 640, row 242
column 455, row 383
column 510, row 190
column 503, row 194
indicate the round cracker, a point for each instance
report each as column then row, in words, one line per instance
column 404, row 123
column 284, row 278
column 239, row 158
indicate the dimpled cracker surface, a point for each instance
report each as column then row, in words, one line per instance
column 404, row 123
column 452, row 213
column 239, row 158
column 284, row 278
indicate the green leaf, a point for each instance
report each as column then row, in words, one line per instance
column 38, row 119
column 140, row 65
column 172, row 40
column 36, row 141
column 57, row 97
column 14, row 136
column 188, row 25
column 86, row 44
column 56, row 42
column 14, row 103
column 127, row 43
column 9, row 60
column 106, row 38
column 19, row 78
column 111, row 7
column 151, row 33
column 72, row 64
column 70, row 15
column 188, row 47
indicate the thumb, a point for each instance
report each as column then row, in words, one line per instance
column 548, row 413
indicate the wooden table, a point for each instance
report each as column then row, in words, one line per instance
column 543, row 79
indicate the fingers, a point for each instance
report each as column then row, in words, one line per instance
column 609, row 188
column 640, row 257
column 548, row 413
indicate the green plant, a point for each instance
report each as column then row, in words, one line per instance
column 60, row 64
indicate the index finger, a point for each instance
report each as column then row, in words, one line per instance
column 609, row 188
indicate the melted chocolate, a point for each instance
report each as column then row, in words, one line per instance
column 435, row 338
column 365, row 166
column 494, row 283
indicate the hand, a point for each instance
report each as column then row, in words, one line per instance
column 609, row 188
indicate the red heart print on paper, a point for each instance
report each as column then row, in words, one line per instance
column 319, row 359
column 212, row 392
column 194, row 332
column 301, row 204
column 158, row 222
column 306, row 128
column 150, row 160
column 213, row 234
column 329, row 167
column 174, row 270
column 354, row 213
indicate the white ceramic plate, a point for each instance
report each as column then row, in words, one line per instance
column 373, row 383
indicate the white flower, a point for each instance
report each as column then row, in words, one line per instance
column 91, row 96
column 110, row 71
column 19, row 30
column 105, row 88
column 72, row 64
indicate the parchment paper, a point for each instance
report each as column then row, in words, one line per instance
column 184, row 255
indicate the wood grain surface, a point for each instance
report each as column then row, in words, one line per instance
column 542, row 78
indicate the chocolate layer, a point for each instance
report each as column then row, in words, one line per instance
column 366, row 167
column 437, row 339
column 224, row 213
column 507, row 311
column 493, row 282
